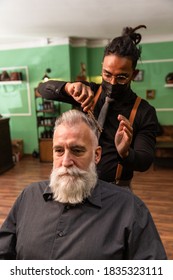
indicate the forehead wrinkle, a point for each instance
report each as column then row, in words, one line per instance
column 79, row 134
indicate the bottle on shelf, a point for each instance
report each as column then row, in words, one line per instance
column 46, row 114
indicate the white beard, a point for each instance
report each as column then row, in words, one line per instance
column 72, row 185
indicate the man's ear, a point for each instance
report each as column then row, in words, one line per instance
column 98, row 153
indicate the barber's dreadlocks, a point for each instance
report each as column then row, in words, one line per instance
column 126, row 44
column 129, row 31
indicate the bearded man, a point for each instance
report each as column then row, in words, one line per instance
column 75, row 216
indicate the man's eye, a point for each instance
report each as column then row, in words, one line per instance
column 107, row 75
column 59, row 151
column 121, row 78
column 77, row 151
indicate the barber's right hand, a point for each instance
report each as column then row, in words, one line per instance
column 81, row 93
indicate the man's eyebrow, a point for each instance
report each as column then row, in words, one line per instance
column 71, row 146
column 107, row 71
column 57, row 146
column 120, row 74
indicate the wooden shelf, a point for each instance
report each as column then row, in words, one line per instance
column 45, row 125
column 11, row 82
column 46, row 111
column 45, row 149
column 46, row 139
column 169, row 85
column 46, row 118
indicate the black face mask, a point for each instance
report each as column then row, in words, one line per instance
column 115, row 91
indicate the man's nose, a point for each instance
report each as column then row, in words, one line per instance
column 67, row 159
column 113, row 80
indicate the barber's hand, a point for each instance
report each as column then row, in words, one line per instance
column 123, row 136
column 81, row 93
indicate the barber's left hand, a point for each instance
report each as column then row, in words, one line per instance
column 123, row 136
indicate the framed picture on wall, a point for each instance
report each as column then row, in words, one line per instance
column 139, row 75
column 150, row 94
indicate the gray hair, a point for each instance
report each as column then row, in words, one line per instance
column 73, row 117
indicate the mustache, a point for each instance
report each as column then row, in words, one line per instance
column 71, row 171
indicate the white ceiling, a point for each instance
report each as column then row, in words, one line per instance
column 37, row 20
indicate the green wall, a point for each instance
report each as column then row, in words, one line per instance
column 37, row 60
column 64, row 61
column 95, row 57
column 78, row 55
column 157, row 62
